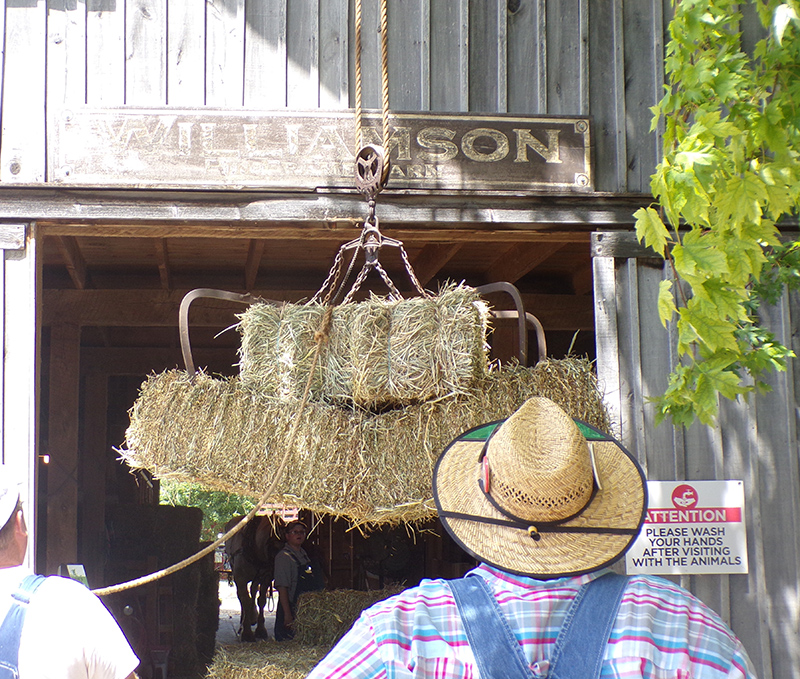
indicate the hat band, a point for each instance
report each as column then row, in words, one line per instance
column 534, row 529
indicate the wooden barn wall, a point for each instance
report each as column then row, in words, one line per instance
column 564, row 57
column 755, row 441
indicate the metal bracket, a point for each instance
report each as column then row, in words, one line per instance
column 524, row 317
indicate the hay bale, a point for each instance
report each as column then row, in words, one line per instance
column 265, row 660
column 380, row 351
column 324, row 617
column 368, row 468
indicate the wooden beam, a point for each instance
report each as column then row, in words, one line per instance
column 162, row 258
column 299, row 231
column 234, row 210
column 431, row 259
column 62, row 446
column 158, row 308
column 520, row 259
column 145, row 360
column 73, row 260
column 255, row 251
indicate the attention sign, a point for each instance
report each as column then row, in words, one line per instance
column 691, row 527
column 311, row 149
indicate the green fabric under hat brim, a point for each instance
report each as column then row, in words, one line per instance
column 597, row 537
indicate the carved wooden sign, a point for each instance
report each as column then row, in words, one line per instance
column 308, row 150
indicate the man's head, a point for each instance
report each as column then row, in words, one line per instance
column 539, row 494
column 295, row 533
column 13, row 533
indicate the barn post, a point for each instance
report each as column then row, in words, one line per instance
column 18, row 378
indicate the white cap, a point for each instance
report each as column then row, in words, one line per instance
column 9, row 494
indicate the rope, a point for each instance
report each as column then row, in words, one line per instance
column 358, row 74
column 320, row 337
column 384, row 75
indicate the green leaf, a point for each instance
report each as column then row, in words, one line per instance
column 666, row 302
column 712, row 331
column 651, row 230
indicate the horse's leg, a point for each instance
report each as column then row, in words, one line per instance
column 261, row 630
column 246, row 603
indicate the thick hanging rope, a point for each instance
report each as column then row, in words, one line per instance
column 321, row 338
column 384, row 75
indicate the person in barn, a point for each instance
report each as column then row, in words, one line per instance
column 53, row 628
column 295, row 572
column 546, row 504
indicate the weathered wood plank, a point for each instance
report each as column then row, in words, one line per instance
column 66, row 54
column 409, row 55
column 527, row 57
column 643, row 88
column 265, row 54
column 778, row 498
column 22, row 153
column 146, row 52
column 66, row 65
column 606, row 94
column 749, row 598
column 567, row 57
column 449, row 49
column 370, row 57
column 630, row 359
column 334, row 72
column 225, row 31
column 657, row 356
column 105, row 52
column 607, row 338
column 185, row 60
column 302, row 47
column 487, row 56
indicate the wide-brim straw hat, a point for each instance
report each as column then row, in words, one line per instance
column 540, row 494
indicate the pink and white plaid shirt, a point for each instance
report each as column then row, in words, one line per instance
column 661, row 632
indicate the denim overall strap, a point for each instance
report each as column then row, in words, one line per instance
column 11, row 629
column 581, row 643
column 497, row 652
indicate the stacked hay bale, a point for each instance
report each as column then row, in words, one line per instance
column 380, row 352
column 368, row 467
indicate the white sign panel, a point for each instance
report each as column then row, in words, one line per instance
column 691, row 527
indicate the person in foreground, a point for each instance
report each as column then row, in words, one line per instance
column 52, row 628
column 546, row 504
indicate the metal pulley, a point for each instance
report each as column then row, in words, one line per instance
column 372, row 171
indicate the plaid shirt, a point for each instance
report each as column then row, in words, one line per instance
column 661, row 632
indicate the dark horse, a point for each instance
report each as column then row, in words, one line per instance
column 252, row 555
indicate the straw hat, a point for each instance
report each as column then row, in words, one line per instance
column 540, row 494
